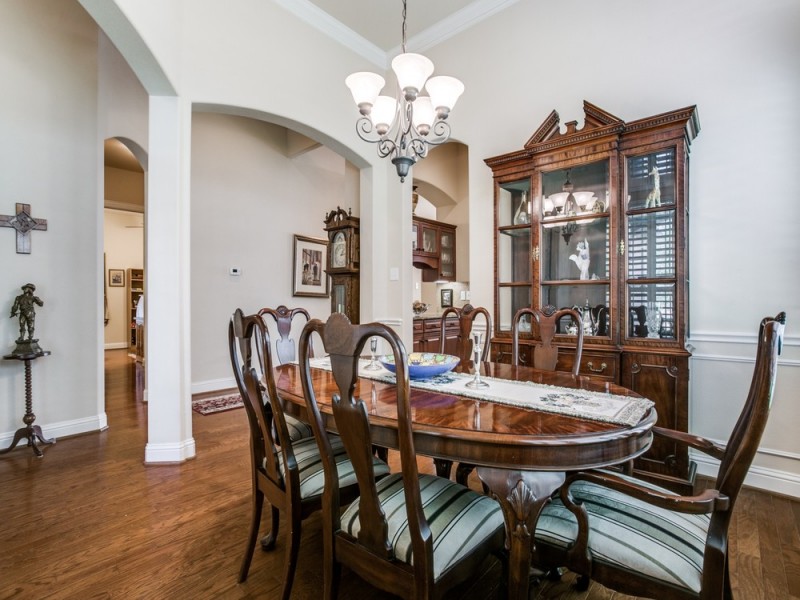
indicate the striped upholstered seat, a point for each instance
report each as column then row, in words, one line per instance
column 630, row 534
column 459, row 519
column 297, row 429
column 309, row 463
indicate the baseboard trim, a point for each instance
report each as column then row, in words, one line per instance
column 169, row 453
column 116, row 346
column 64, row 429
column 771, row 480
column 213, row 385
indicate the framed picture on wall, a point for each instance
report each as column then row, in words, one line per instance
column 447, row 298
column 116, row 278
column 310, row 259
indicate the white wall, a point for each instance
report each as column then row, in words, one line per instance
column 50, row 158
column 124, row 249
column 248, row 200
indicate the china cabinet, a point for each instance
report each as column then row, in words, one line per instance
column 343, row 262
column 433, row 245
column 596, row 219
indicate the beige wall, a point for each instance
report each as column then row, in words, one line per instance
column 249, row 198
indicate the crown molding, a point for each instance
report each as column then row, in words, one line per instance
column 311, row 14
column 452, row 25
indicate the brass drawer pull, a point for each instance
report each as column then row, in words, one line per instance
column 590, row 366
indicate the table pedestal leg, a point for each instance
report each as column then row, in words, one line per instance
column 522, row 495
column 30, row 432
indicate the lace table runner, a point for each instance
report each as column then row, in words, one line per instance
column 584, row 404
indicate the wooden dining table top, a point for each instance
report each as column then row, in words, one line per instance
column 487, row 433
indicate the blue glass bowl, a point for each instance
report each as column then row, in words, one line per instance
column 422, row 365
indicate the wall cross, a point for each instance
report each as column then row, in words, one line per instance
column 24, row 223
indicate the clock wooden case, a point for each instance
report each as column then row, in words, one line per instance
column 343, row 262
column 596, row 219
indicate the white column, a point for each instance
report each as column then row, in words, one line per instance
column 168, row 343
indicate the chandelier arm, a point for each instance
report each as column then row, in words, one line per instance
column 440, row 133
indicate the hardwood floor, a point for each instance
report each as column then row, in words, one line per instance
column 90, row 520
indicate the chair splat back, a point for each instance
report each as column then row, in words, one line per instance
column 545, row 354
column 283, row 317
column 344, row 342
column 466, row 318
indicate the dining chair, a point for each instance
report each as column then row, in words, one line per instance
column 464, row 349
column 545, row 354
column 286, row 352
column 284, row 346
column 288, row 474
column 415, row 535
column 643, row 540
column 466, row 318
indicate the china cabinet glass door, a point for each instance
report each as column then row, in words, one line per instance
column 574, row 241
column 513, row 250
column 447, row 243
column 651, row 246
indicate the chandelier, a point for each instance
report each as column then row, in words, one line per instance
column 405, row 126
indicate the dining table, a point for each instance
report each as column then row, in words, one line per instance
column 521, row 453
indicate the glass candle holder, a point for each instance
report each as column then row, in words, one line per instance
column 373, row 365
column 476, row 382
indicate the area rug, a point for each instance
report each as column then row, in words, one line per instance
column 208, row 406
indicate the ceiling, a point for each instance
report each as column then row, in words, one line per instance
column 373, row 28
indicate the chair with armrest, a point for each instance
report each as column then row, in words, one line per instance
column 466, row 319
column 287, row 352
column 545, row 355
column 643, row 540
column 287, row 473
column 412, row 534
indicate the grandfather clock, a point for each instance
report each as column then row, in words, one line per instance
column 343, row 262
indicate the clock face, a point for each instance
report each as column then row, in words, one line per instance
column 339, row 251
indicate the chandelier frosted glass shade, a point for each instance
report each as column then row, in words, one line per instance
column 365, row 87
column 444, row 92
column 412, row 71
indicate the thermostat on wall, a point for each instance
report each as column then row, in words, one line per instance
column 235, row 271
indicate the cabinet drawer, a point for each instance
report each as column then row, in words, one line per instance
column 604, row 366
column 433, row 325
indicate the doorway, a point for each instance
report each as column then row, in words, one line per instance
column 124, row 253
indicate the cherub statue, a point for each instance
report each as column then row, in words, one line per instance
column 581, row 259
column 654, row 197
column 24, row 305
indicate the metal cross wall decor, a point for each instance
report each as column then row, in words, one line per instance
column 24, row 223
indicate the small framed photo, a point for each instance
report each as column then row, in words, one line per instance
column 116, row 278
column 308, row 272
column 447, row 298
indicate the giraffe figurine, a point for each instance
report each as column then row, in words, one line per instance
column 654, row 197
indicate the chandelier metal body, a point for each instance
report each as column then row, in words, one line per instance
column 404, row 127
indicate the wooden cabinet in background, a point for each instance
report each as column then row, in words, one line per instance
column 135, row 291
column 595, row 219
column 428, row 335
column 434, row 249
